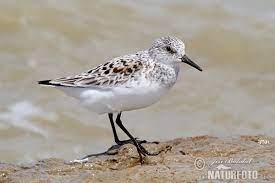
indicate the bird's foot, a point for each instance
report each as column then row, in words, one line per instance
column 113, row 150
column 142, row 151
column 129, row 141
column 110, row 151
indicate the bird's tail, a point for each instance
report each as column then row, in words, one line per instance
column 44, row 82
column 47, row 83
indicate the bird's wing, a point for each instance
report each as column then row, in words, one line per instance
column 113, row 73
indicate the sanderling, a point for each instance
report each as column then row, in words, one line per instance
column 127, row 83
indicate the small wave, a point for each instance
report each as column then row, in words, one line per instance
column 19, row 113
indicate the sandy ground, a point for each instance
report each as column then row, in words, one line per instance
column 181, row 160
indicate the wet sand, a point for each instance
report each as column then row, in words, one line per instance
column 174, row 164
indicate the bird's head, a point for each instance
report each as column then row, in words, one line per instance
column 170, row 50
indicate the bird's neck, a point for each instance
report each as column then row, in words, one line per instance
column 172, row 64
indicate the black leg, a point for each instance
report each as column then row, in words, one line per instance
column 119, row 123
column 122, row 142
column 111, row 151
column 141, row 150
column 110, row 115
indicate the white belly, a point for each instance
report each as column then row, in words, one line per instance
column 118, row 98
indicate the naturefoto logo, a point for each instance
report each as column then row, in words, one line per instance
column 226, row 169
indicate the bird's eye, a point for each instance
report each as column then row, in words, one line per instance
column 170, row 50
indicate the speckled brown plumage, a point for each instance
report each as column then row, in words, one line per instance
column 115, row 72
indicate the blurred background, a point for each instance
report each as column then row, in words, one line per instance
column 233, row 41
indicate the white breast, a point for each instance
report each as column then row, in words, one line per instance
column 118, row 98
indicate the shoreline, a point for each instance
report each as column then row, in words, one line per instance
column 182, row 159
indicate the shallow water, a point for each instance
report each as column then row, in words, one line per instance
column 233, row 41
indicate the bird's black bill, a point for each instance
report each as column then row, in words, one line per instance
column 188, row 61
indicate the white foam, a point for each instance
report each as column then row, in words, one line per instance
column 18, row 115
